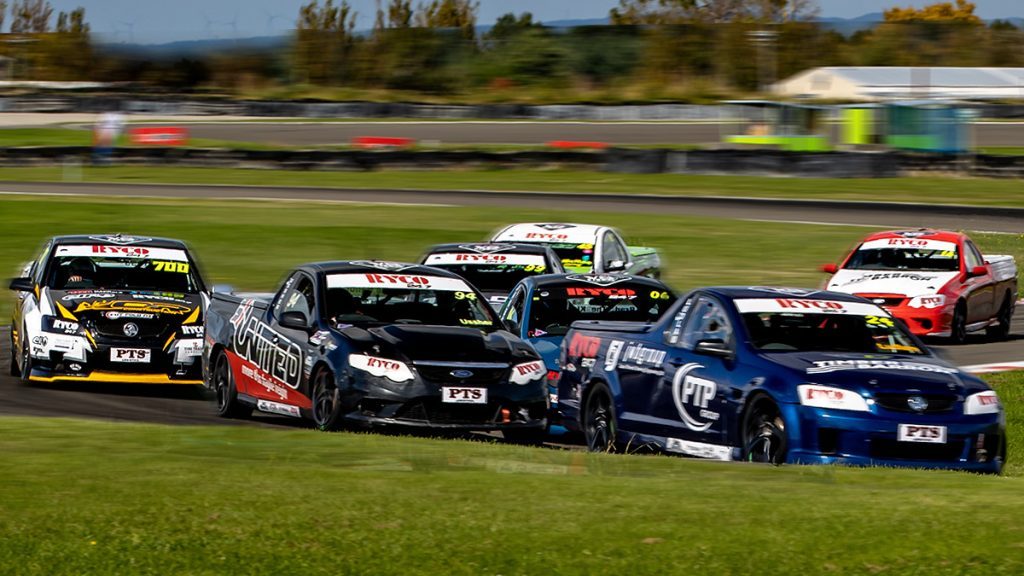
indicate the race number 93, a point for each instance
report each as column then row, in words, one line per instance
column 166, row 266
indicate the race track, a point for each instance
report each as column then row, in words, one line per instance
column 513, row 132
column 188, row 405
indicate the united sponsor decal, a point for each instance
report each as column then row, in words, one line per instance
column 270, row 352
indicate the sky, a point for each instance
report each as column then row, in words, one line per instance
column 159, row 21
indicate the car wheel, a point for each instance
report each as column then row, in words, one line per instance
column 326, row 402
column 228, row 405
column 958, row 327
column 599, row 426
column 14, row 362
column 764, row 434
column 526, row 436
column 26, row 361
column 1002, row 330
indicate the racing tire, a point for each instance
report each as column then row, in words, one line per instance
column 958, row 326
column 228, row 405
column 326, row 409
column 526, row 436
column 1001, row 331
column 764, row 434
column 599, row 425
column 25, row 366
column 14, row 364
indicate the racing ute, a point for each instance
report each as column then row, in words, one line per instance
column 778, row 375
column 937, row 282
column 585, row 248
column 374, row 343
column 111, row 308
column 496, row 267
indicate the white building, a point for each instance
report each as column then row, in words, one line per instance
column 901, row 82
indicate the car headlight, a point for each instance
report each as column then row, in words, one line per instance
column 527, row 372
column 829, row 397
column 986, row 402
column 381, row 367
column 55, row 325
column 933, row 301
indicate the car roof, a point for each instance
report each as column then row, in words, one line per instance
column 547, row 280
column 118, row 240
column 920, row 233
column 548, row 232
column 741, row 292
column 375, row 266
column 489, row 247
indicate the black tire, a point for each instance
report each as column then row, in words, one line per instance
column 764, row 433
column 25, row 366
column 958, row 326
column 14, row 363
column 1001, row 331
column 599, row 426
column 526, row 436
column 326, row 410
column 228, row 405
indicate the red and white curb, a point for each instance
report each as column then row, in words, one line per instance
column 993, row 367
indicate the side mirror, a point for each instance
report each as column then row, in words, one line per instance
column 222, row 289
column 713, row 348
column 295, row 320
column 829, row 268
column 511, row 325
column 977, row 271
column 614, row 266
column 22, row 284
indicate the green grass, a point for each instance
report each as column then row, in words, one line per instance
column 250, row 244
column 974, row 191
column 83, row 137
column 241, row 500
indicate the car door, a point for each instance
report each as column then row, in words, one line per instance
column 980, row 289
column 289, row 346
column 694, row 389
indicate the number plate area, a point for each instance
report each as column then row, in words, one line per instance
column 130, row 355
column 463, row 395
column 922, row 433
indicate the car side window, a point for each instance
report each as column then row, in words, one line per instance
column 36, row 272
column 708, row 321
column 674, row 334
column 972, row 257
column 300, row 297
column 612, row 248
column 514, row 312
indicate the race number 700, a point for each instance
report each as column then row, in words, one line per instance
column 165, row 266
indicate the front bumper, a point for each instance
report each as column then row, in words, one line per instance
column 94, row 365
column 924, row 321
column 823, row 436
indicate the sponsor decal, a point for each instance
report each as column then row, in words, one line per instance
column 827, row 366
column 484, row 248
column 196, row 331
column 399, row 280
column 588, row 292
column 611, row 358
column 278, row 408
column 189, row 348
column 263, row 379
column 692, row 395
column 66, row 326
column 40, row 340
column 698, row 449
column 805, row 305
column 319, row 337
column 403, row 281
column 130, row 329
column 106, row 251
column 921, row 433
column 910, row 244
column 526, row 372
column 383, row 265
column 910, row 276
column 555, row 226
column 75, row 367
column 582, row 346
column 641, row 355
column 162, row 296
column 381, row 367
column 271, row 352
column 546, row 236
column 530, row 261
column 130, row 355
column 598, row 279
column 124, row 306
column 474, row 322
column 87, row 296
column 135, row 315
column 801, row 292
column 463, row 395
column 119, row 239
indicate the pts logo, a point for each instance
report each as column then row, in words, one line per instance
column 692, row 395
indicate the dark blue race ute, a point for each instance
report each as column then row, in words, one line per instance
column 778, row 375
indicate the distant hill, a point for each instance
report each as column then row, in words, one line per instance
column 195, row 48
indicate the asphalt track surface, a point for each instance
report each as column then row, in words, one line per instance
column 191, row 405
column 514, row 132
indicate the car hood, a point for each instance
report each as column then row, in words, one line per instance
column 107, row 306
column 908, row 283
column 442, row 343
column 876, row 373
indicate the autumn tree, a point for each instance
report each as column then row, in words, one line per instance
column 961, row 11
column 30, row 16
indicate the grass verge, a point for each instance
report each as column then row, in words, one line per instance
column 239, row 500
column 975, row 191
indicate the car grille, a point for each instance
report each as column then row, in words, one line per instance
column 897, row 402
column 887, row 449
column 884, row 300
column 482, row 374
column 114, row 329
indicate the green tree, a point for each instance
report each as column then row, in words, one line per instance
column 457, row 14
column 962, row 11
column 30, row 16
column 324, row 40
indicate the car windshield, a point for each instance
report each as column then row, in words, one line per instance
column 919, row 255
column 847, row 327
column 554, row 308
column 574, row 255
column 367, row 300
column 121, row 268
column 498, row 272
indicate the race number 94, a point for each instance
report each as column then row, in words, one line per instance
column 166, row 266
